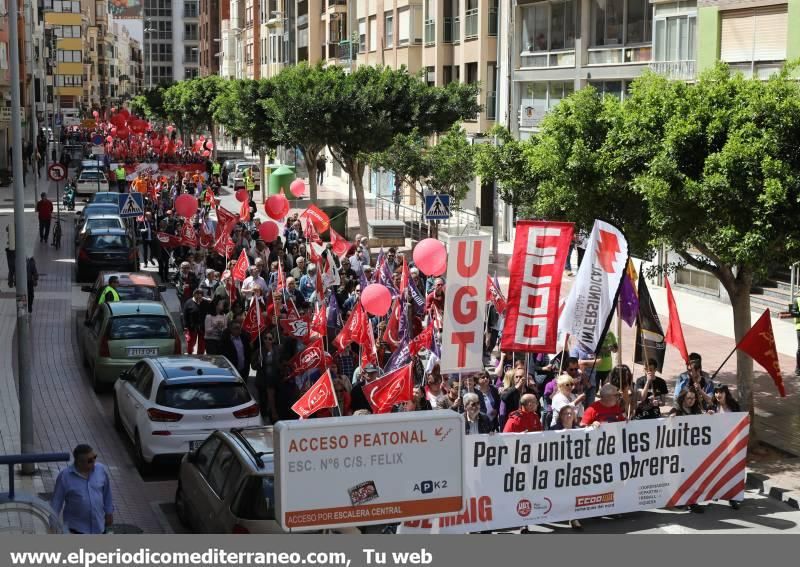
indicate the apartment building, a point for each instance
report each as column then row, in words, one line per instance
column 211, row 12
column 171, row 40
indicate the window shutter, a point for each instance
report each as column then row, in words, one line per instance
column 771, row 33
column 758, row 34
column 404, row 27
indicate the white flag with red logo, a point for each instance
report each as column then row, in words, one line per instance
column 534, row 287
column 320, row 395
column 391, row 389
column 339, row 243
column 591, row 300
column 240, row 268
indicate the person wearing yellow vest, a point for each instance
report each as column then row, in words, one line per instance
column 249, row 182
column 109, row 293
column 122, row 184
column 216, row 168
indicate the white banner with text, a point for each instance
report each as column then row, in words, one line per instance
column 516, row 480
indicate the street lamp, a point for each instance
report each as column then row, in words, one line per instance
column 149, row 31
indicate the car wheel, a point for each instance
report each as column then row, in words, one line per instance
column 142, row 466
column 180, row 508
column 117, row 417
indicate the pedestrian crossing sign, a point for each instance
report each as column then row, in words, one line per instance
column 437, row 207
column 131, row 205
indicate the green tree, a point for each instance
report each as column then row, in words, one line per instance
column 503, row 161
column 375, row 104
column 304, row 108
column 709, row 169
column 241, row 110
column 192, row 101
column 150, row 104
column 451, row 164
column 406, row 158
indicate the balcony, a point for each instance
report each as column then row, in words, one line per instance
column 471, row 24
column 491, row 105
column 620, row 55
column 430, row 32
column 675, row 70
column 452, row 30
column 546, row 60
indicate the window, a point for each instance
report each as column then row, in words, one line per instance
column 758, row 34
column 220, row 468
column 144, row 383
column 3, row 55
column 696, row 278
column 536, row 99
column 66, row 6
column 67, row 31
column 373, row 33
column 136, row 327
column 190, row 32
column 190, row 9
column 675, row 33
column 618, row 22
column 203, row 396
column 617, row 89
column 205, row 455
column 362, row 35
column 493, row 17
column 471, row 73
column 548, row 26
column 471, row 20
column 68, row 56
column 430, row 76
column 388, row 30
column 403, row 26
column 69, row 80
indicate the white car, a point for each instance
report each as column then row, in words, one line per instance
column 169, row 405
column 91, row 181
column 236, row 177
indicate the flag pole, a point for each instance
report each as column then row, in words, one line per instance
column 727, row 358
column 563, row 355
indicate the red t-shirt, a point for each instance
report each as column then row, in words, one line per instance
column 604, row 414
column 521, row 421
column 45, row 209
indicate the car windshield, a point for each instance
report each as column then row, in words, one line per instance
column 90, row 176
column 106, row 198
column 136, row 292
column 102, row 223
column 202, row 395
column 109, row 241
column 140, row 327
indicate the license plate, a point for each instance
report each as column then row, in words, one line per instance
column 142, row 351
column 194, row 445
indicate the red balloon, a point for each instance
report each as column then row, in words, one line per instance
column 277, row 206
column 123, row 132
column 109, row 139
column 114, row 131
column 124, row 113
column 297, row 188
column 185, row 205
column 430, row 256
column 376, row 299
column 202, row 138
column 241, row 195
column 268, row 231
column 206, row 153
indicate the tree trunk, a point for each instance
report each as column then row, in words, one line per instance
column 213, row 142
column 355, row 169
column 262, row 158
column 311, row 166
column 739, row 294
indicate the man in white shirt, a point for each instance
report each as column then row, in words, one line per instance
column 253, row 280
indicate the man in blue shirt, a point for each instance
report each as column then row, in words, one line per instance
column 695, row 375
column 83, row 494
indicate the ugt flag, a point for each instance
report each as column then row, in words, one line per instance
column 591, row 300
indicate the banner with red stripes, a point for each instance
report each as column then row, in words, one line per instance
column 514, row 480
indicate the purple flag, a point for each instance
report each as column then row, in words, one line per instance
column 362, row 280
column 417, row 298
column 400, row 357
column 628, row 301
column 334, row 312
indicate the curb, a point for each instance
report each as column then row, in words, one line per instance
column 764, row 485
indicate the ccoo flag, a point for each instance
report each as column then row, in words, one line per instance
column 649, row 333
column 759, row 343
column 591, row 300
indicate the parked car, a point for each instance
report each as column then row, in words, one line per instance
column 124, row 332
column 132, row 287
column 227, row 167
column 91, row 181
column 92, row 165
column 171, row 404
column 105, row 249
column 98, row 222
column 227, row 484
column 110, row 197
column 238, row 175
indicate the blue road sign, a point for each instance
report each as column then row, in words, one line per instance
column 437, row 207
column 97, row 140
column 131, row 205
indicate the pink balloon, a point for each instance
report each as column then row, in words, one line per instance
column 170, row 128
column 95, row 114
column 206, row 153
column 109, row 139
column 202, row 138
column 277, row 206
column 297, row 188
column 376, row 299
column 114, row 131
column 241, row 195
column 430, row 256
column 268, row 231
column 186, row 205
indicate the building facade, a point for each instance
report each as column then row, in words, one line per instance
column 209, row 26
column 171, row 40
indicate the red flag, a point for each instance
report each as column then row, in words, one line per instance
column 391, row 336
column 320, row 395
column 254, row 320
column 495, row 295
column 423, row 340
column 244, row 211
column 225, row 246
column 319, row 324
column 391, row 389
column 294, row 324
column 369, row 353
column 188, row 235
column 759, row 343
column 313, row 356
column 318, row 217
column 240, row 268
column 281, row 277
column 339, row 243
column 314, row 255
column 225, row 218
column 404, row 276
column 168, row 240
column 674, row 335
column 352, row 330
column 311, row 233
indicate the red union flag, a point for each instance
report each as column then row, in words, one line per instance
column 313, row 356
column 353, row 328
column 495, row 295
column 592, row 299
column 254, row 320
column 391, row 389
column 540, row 253
column 320, row 395
column 321, row 221
column 339, row 243
column 464, row 313
column 239, row 271
column 168, row 240
column 188, row 235
column 759, row 343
